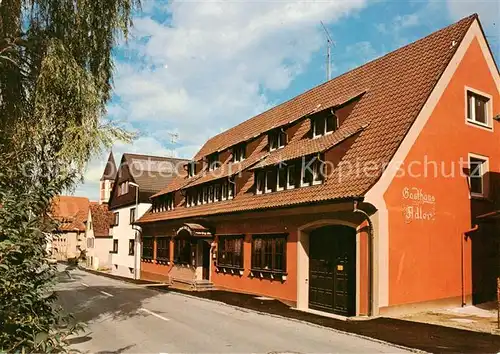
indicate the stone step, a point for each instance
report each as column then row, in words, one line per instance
column 191, row 285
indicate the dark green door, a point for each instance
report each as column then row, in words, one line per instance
column 332, row 270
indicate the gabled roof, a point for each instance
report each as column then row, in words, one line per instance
column 396, row 88
column 110, row 169
column 152, row 173
column 71, row 212
column 102, row 219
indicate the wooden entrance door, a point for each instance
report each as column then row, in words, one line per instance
column 206, row 260
column 332, row 270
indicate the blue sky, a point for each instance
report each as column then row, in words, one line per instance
column 196, row 68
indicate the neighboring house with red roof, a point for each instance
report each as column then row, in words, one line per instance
column 326, row 201
column 69, row 239
column 99, row 239
column 138, row 178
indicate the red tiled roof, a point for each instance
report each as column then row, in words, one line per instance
column 397, row 86
column 302, row 147
column 102, row 218
column 71, row 212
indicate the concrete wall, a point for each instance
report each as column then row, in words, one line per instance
column 122, row 263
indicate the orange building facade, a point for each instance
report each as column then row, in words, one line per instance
column 395, row 224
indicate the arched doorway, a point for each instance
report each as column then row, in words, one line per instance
column 332, row 269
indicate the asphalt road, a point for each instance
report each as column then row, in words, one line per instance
column 128, row 318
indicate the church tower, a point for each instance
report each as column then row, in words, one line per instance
column 107, row 179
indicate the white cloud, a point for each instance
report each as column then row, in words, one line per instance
column 207, row 66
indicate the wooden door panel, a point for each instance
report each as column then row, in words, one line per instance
column 332, row 273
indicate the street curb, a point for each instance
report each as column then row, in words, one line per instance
column 244, row 309
column 116, row 277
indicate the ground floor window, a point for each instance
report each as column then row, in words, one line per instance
column 115, row 246
column 131, row 245
column 147, row 248
column 230, row 251
column 163, row 249
column 182, row 251
column 269, row 252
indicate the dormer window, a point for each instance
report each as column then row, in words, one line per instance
column 239, row 152
column 213, row 161
column 123, row 188
column 312, row 172
column 191, row 166
column 163, row 203
column 211, row 193
column 277, row 139
column 324, row 123
column 260, row 182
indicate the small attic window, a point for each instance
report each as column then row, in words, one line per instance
column 191, row 167
column 324, row 123
column 239, row 152
column 277, row 139
column 213, row 161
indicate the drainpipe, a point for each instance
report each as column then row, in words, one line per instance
column 462, row 273
column 136, row 234
column 370, row 255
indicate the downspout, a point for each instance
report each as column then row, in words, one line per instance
column 138, row 237
column 462, row 273
column 370, row 255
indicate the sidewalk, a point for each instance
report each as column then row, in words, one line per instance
column 480, row 318
column 422, row 336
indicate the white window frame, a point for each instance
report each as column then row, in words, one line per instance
column 199, row 196
column 191, row 169
column 288, row 185
column 489, row 110
column 266, row 190
column 239, row 152
column 204, row 193
column 485, row 168
column 257, row 189
column 278, row 188
column 230, row 192
column 215, row 164
column 225, row 190
column 210, row 195
column 317, row 178
column 279, row 144
column 304, row 162
column 325, row 132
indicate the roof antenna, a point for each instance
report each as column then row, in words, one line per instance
column 173, row 140
column 173, row 137
column 329, row 44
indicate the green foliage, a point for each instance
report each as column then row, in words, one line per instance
column 55, row 80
